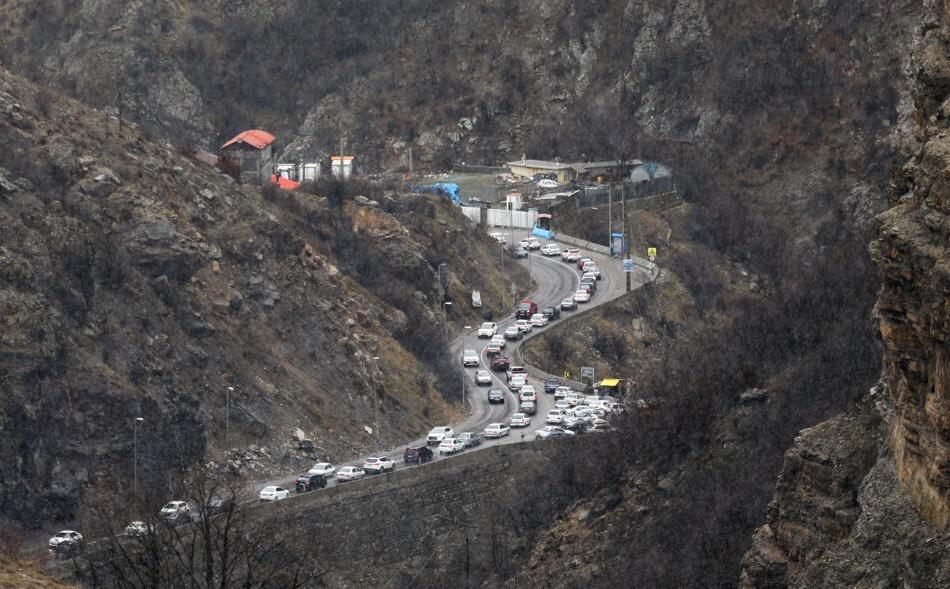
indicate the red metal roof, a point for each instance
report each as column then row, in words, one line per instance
column 285, row 183
column 254, row 137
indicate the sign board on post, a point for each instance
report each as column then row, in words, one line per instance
column 628, row 265
column 587, row 372
column 651, row 253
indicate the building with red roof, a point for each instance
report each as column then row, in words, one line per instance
column 251, row 152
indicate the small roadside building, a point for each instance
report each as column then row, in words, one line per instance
column 527, row 168
column 603, row 171
column 251, row 153
column 341, row 166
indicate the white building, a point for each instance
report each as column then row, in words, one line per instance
column 341, row 166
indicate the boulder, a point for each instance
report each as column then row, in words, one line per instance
column 158, row 247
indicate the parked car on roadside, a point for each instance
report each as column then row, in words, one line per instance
column 177, row 512
column 496, row 430
column 218, row 505
column 309, row 482
column 451, row 446
column 138, row 529
column 378, row 465
column 273, row 493
column 547, row 183
column 417, row 455
column 551, row 431
column 496, row 396
column 349, row 473
column 470, row 439
column 554, row 417
column 65, row 540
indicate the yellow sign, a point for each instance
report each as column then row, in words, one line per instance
column 651, row 251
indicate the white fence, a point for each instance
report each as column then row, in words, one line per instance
column 502, row 217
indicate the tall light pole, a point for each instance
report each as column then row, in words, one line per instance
column 227, row 419
column 465, row 332
column 445, row 306
column 135, row 456
column 375, row 401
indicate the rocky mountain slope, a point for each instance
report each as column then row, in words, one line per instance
column 137, row 282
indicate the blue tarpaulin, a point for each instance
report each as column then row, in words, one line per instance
column 449, row 188
column 545, row 233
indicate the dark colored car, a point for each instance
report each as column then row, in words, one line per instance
column 592, row 282
column 550, row 385
column 526, row 309
column 417, row 455
column 520, row 252
column 218, row 505
column 310, row 482
column 496, row 396
column 500, row 364
column 551, row 313
column 513, row 334
column 470, row 439
column 588, row 287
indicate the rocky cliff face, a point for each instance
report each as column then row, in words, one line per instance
column 882, row 519
column 136, row 282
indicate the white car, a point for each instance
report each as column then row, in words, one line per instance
column 496, row 430
column 524, row 243
column 64, row 539
column 547, row 183
column 470, row 358
column 590, row 275
column 524, row 326
column 498, row 236
column 350, row 473
column 552, row 431
column 573, row 399
column 551, row 249
column 451, row 446
column 571, row 255
column 378, row 464
column 519, row 420
column 562, row 392
column 273, row 493
column 482, row 377
column 437, row 434
column 538, row 320
column 324, row 469
column 582, row 296
column 590, row 399
column 526, row 393
column 498, row 340
column 174, row 509
column 517, row 381
column 593, row 270
column 562, row 404
column 555, row 417
column 533, row 244
column 488, row 329
column 138, row 529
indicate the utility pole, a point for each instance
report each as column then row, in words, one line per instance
column 465, row 334
column 626, row 224
column 135, row 457
column 375, row 401
column 227, row 419
column 610, row 198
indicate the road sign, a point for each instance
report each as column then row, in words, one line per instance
column 628, row 265
column 368, row 429
column 651, row 253
column 587, row 372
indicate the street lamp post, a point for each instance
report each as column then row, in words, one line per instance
column 445, row 306
column 227, row 419
column 375, row 401
column 466, row 330
column 135, row 456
